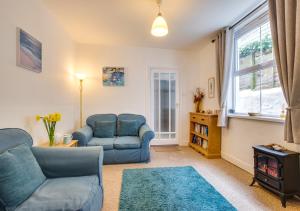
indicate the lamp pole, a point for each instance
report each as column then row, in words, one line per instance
column 81, row 77
column 81, row 81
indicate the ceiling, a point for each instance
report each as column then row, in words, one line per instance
column 128, row 22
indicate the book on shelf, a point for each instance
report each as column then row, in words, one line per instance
column 200, row 141
column 204, row 144
column 201, row 129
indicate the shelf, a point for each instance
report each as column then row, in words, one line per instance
column 199, row 148
column 203, row 130
column 200, row 123
column 200, row 135
column 258, row 118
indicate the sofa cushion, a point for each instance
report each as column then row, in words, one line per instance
column 127, row 142
column 20, row 175
column 91, row 120
column 127, row 128
column 71, row 193
column 105, row 129
column 129, row 124
column 106, row 143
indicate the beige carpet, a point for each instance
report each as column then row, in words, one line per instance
column 166, row 148
column 231, row 181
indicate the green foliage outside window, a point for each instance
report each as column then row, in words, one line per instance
column 254, row 49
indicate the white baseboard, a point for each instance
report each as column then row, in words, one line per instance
column 243, row 165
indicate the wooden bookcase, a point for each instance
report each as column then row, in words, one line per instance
column 205, row 136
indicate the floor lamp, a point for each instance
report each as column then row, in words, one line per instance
column 81, row 77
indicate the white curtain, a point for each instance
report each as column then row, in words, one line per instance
column 224, row 54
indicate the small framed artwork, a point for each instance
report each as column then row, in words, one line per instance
column 211, row 87
column 29, row 51
column 113, row 76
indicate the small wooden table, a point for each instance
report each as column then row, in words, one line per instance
column 73, row 143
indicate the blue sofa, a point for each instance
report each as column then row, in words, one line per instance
column 125, row 138
column 43, row 179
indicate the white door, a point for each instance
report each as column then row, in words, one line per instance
column 164, row 106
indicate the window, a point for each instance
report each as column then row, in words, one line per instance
column 256, row 85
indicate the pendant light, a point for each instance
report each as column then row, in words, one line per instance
column 159, row 26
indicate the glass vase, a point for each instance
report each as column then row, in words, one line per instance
column 51, row 139
column 198, row 107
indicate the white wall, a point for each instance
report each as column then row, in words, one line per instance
column 241, row 134
column 198, row 67
column 24, row 93
column 134, row 97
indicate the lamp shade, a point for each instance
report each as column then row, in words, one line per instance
column 80, row 76
column 159, row 27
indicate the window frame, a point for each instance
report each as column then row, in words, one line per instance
column 238, row 33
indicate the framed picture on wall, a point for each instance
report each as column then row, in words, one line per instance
column 113, row 76
column 211, row 87
column 29, row 51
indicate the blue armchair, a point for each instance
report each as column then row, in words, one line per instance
column 35, row 178
column 125, row 138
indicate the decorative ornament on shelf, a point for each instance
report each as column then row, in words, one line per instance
column 198, row 97
column 50, row 123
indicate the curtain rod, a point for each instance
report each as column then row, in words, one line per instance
column 245, row 17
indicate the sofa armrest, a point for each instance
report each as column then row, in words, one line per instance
column 83, row 135
column 146, row 134
column 70, row 162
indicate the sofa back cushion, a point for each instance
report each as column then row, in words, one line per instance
column 129, row 124
column 20, row 175
column 105, row 129
column 91, row 121
column 11, row 137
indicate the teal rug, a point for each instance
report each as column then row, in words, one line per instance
column 171, row 189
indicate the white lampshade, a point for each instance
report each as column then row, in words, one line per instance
column 159, row 27
column 80, row 76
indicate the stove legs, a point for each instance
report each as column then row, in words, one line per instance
column 283, row 200
column 253, row 181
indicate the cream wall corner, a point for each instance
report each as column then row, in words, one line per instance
column 241, row 134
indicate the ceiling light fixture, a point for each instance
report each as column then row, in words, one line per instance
column 159, row 26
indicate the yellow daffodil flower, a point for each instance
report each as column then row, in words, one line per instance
column 37, row 117
column 58, row 116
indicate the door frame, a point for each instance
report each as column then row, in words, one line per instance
column 149, row 107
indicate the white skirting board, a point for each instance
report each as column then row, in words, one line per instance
column 239, row 163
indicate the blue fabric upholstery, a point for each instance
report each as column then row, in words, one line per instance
column 105, row 129
column 129, row 124
column 69, row 162
column 11, row 137
column 128, row 128
column 106, row 143
column 124, row 149
column 74, row 175
column 116, row 156
column 127, row 142
column 146, row 135
column 90, row 121
column 73, row 193
column 20, row 175
column 83, row 135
